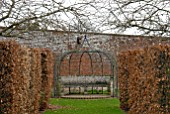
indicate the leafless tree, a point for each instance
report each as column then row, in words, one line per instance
column 25, row 15
column 149, row 17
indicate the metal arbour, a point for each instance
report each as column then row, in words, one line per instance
column 102, row 56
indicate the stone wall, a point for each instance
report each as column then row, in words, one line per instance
column 61, row 42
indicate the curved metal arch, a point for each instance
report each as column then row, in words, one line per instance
column 58, row 61
column 70, row 62
column 101, row 60
column 112, row 61
column 81, row 58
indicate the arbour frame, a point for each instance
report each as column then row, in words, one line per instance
column 112, row 61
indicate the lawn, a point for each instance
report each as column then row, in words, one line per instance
column 81, row 106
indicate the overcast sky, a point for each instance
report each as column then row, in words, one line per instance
column 96, row 21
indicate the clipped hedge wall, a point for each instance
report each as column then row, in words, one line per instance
column 144, row 76
column 24, row 74
column 47, row 63
column 9, row 81
column 24, row 79
column 35, row 82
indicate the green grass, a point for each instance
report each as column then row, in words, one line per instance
column 75, row 106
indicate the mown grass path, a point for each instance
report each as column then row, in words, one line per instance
column 82, row 106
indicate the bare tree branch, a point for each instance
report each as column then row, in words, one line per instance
column 9, row 12
column 149, row 17
column 50, row 14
